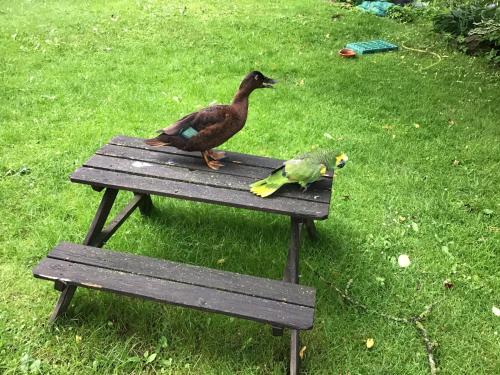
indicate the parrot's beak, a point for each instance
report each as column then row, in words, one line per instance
column 341, row 160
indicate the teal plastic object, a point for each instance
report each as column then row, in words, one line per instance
column 372, row 46
column 378, row 8
column 188, row 133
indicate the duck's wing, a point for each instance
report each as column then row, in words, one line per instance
column 199, row 120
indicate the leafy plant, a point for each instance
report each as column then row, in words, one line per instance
column 474, row 27
column 404, row 14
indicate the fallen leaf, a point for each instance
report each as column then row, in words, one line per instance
column 456, row 162
column 495, row 310
column 151, row 358
column 401, row 219
column 302, row 352
column 404, row 260
column 417, row 126
column 388, row 127
column 487, row 211
column 221, row 261
column 448, row 284
column 414, row 226
column 370, row 343
column 328, row 136
column 346, row 197
column 78, row 338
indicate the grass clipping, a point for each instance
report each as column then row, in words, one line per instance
column 416, row 321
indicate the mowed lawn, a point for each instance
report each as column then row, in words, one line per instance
column 422, row 135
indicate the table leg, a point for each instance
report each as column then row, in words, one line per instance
column 108, row 199
column 311, row 229
column 146, row 205
column 291, row 274
column 67, row 291
column 294, row 352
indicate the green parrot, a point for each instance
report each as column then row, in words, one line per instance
column 303, row 169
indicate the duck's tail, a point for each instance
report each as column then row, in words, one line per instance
column 161, row 140
column 267, row 186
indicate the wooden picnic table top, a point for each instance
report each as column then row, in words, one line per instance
column 127, row 163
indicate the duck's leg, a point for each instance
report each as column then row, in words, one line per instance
column 216, row 155
column 212, row 164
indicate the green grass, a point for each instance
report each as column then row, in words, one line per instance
column 74, row 74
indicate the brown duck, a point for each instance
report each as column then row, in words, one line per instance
column 212, row 126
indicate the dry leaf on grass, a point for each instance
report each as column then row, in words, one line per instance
column 370, row 343
column 302, row 352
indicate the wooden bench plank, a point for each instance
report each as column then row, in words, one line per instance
column 155, row 155
column 201, row 193
column 202, row 177
column 232, row 157
column 243, row 306
column 188, row 274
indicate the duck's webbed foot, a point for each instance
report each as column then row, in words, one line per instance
column 216, row 155
column 212, row 164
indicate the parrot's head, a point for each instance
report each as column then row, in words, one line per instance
column 341, row 159
column 257, row 80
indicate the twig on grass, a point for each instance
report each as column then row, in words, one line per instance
column 415, row 320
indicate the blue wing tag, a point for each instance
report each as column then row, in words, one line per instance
column 188, row 133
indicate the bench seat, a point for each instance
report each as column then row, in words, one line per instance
column 278, row 303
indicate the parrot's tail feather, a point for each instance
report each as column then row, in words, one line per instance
column 258, row 183
column 264, row 190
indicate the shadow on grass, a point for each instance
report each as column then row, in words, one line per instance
column 252, row 242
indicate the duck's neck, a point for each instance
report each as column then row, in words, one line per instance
column 240, row 101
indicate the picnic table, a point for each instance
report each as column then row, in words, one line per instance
column 128, row 164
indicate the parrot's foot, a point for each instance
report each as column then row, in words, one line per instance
column 216, row 155
column 214, row 164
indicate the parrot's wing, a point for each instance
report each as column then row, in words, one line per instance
column 301, row 171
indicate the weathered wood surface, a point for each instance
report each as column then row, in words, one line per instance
column 169, row 282
column 189, row 274
column 129, row 164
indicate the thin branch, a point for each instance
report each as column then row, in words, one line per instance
column 416, row 320
column 429, row 346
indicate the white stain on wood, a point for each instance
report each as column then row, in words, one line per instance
column 141, row 164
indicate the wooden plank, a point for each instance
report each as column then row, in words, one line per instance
column 209, row 178
column 232, row 157
column 243, row 306
column 232, row 282
column 201, row 193
column 155, row 155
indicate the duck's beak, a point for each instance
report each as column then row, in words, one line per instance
column 268, row 83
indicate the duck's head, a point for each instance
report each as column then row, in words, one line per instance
column 257, row 80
